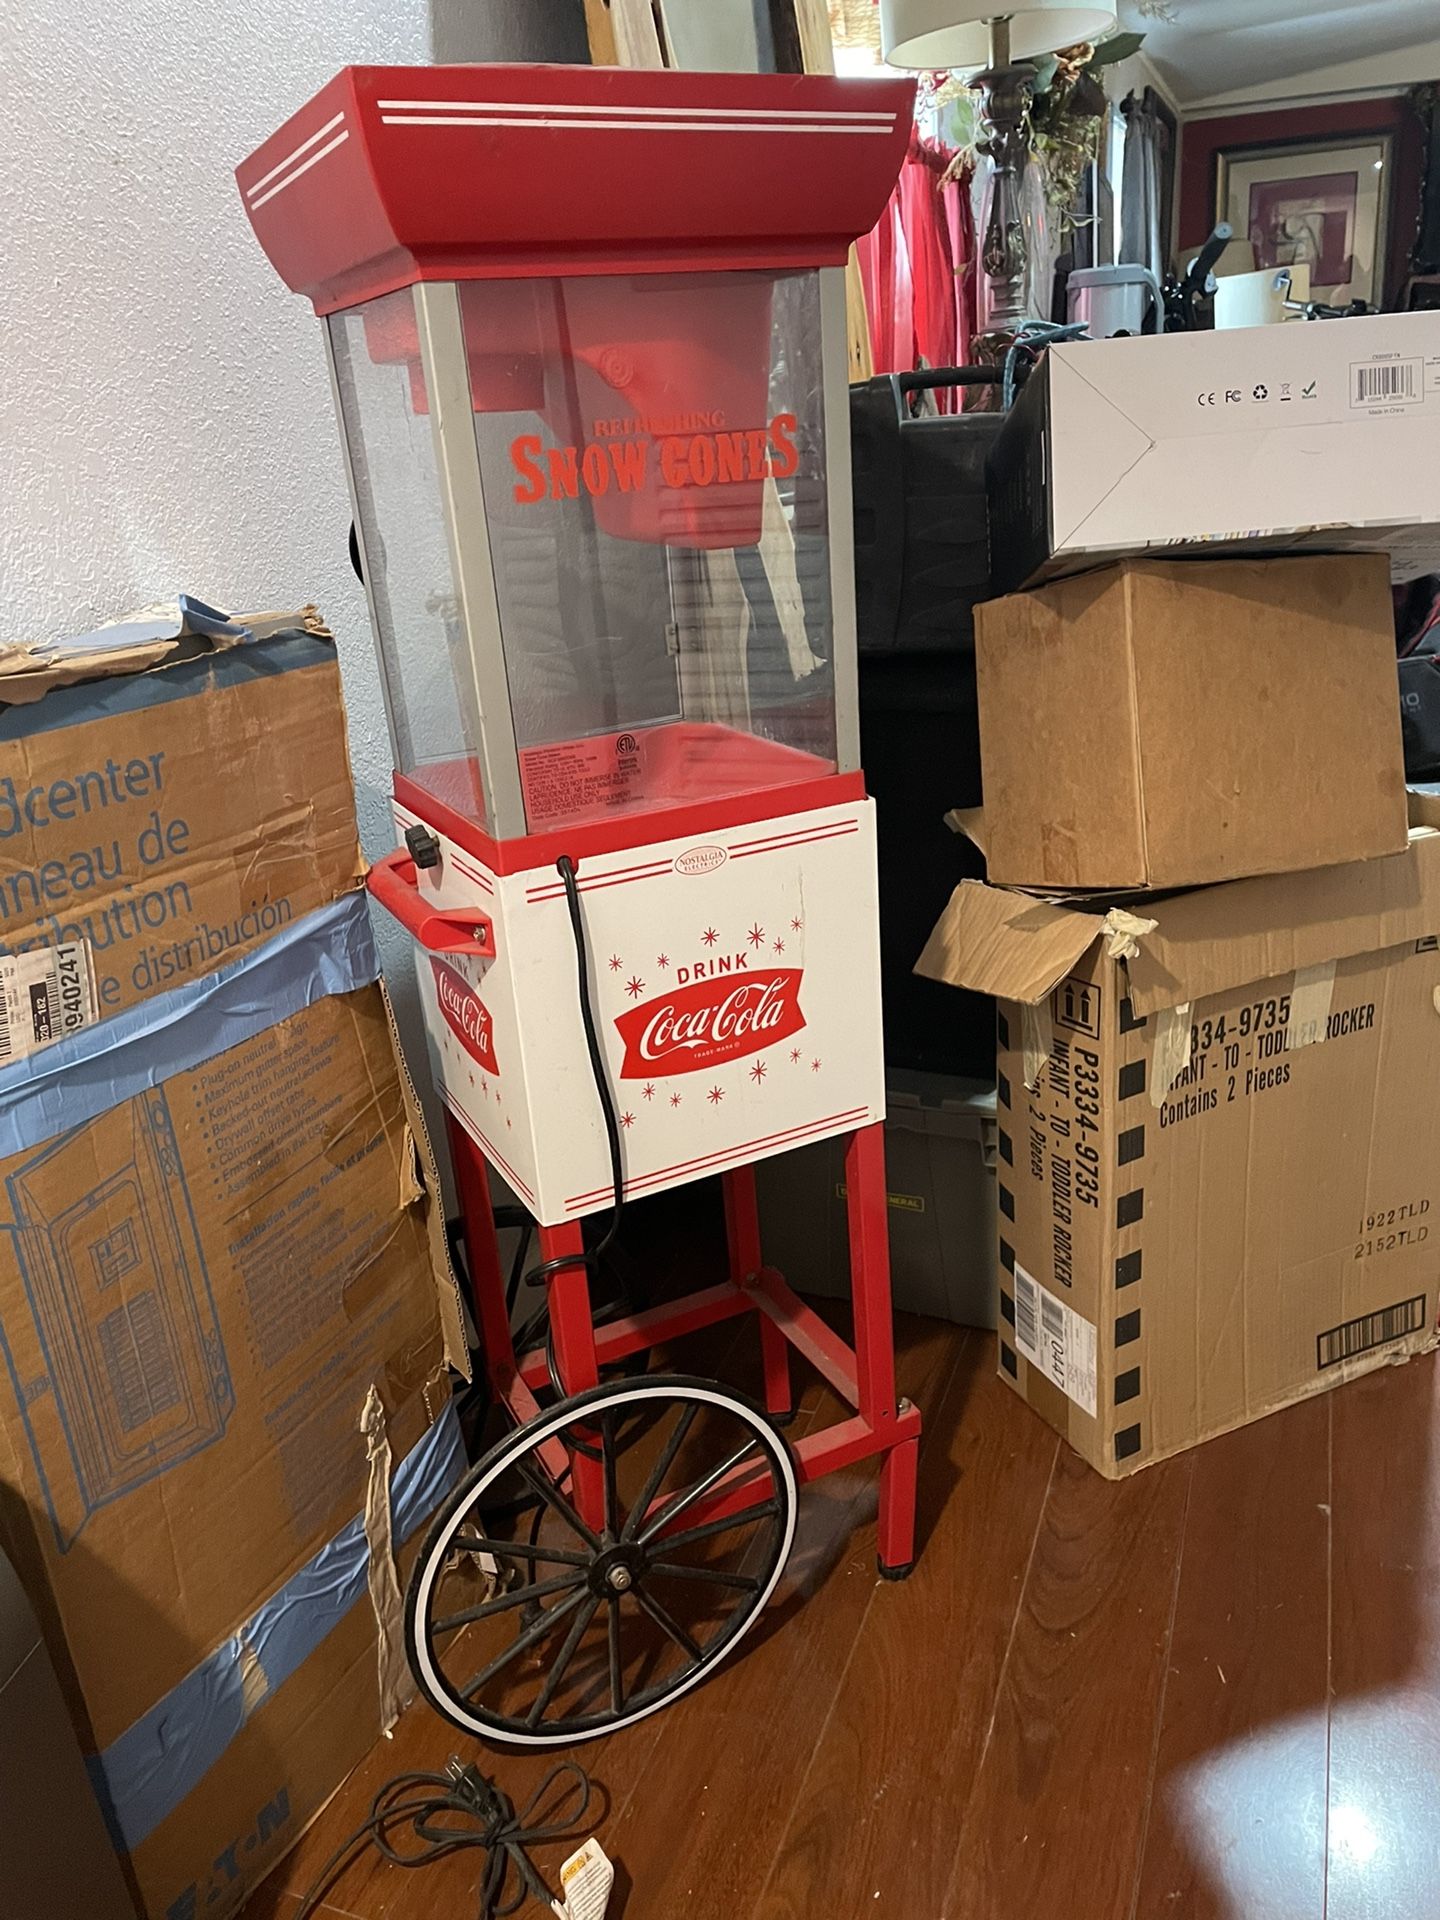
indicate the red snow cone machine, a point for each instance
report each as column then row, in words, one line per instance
column 587, row 334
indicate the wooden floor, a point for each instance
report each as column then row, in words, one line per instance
column 1211, row 1692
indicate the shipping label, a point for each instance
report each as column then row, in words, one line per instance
column 45, row 994
column 1056, row 1339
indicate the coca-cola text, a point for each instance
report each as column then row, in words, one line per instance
column 710, row 1021
column 466, row 1015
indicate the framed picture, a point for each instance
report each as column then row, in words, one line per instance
column 1317, row 205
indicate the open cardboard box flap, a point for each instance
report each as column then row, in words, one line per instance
column 994, row 940
column 154, row 637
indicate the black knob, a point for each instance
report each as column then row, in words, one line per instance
column 424, row 847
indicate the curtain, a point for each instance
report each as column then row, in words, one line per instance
column 1142, row 220
column 917, row 265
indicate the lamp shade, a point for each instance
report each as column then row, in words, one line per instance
column 954, row 33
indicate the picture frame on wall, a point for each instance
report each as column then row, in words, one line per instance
column 1319, row 206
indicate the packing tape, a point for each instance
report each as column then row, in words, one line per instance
column 77, row 1079
column 97, row 698
column 1170, row 1055
column 1310, row 999
column 149, row 1771
column 254, row 1681
column 380, row 1575
column 1124, row 932
column 1037, row 1040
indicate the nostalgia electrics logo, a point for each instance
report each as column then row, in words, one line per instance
column 466, row 1015
column 699, row 860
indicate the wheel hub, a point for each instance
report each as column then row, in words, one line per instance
column 616, row 1569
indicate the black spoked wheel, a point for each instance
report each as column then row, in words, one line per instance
column 667, row 1510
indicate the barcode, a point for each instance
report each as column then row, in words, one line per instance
column 1370, row 1330
column 1026, row 1300
column 1052, row 1318
column 4, row 1029
column 1386, row 380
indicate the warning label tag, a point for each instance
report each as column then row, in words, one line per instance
column 577, row 779
column 585, row 1882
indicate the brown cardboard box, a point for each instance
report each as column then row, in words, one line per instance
column 198, row 1288
column 1219, row 1190
column 1168, row 724
column 175, row 818
column 215, row 1246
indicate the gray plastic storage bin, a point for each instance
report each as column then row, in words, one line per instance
column 940, row 1174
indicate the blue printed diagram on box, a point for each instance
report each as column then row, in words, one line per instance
column 122, row 1372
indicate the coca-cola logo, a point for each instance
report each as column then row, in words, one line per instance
column 466, row 1015
column 709, row 1022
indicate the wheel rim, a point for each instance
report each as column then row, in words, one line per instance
column 630, row 1580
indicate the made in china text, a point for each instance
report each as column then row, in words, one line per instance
column 716, row 457
column 710, row 1021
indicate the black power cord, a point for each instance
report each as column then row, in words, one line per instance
column 592, row 1257
column 458, row 1809
column 632, row 1301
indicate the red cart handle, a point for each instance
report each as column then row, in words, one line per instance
column 438, row 929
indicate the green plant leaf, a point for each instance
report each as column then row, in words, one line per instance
column 1046, row 67
column 1119, row 47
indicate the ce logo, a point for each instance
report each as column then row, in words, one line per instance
column 1209, row 400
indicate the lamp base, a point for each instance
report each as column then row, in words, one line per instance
column 1005, row 93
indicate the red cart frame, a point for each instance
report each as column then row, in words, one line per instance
column 863, row 1376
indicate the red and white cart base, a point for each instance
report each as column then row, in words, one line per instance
column 863, row 1377
column 483, row 1577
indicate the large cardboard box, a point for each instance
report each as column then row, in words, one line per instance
column 1219, row 1191
column 176, row 813
column 1168, row 723
column 1272, row 438
column 225, row 1308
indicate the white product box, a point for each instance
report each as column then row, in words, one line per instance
column 735, row 981
column 1314, row 436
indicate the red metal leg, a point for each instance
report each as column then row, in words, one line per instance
column 742, row 1230
column 572, row 1328
column 875, row 1343
column 896, row 1527
column 865, row 1207
column 482, row 1255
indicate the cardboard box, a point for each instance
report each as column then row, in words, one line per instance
column 217, row 1259
column 174, row 818
column 1263, row 438
column 1167, row 724
column 1219, row 1191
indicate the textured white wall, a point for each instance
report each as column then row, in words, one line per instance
column 165, row 415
